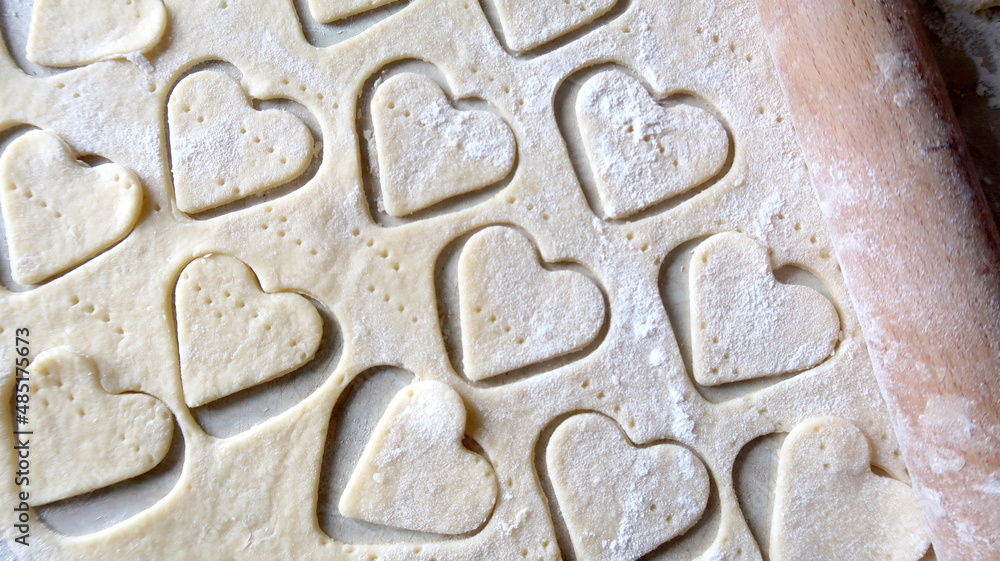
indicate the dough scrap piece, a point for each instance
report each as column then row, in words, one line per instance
column 415, row 474
column 222, row 149
column 745, row 324
column 513, row 311
column 428, row 151
column 232, row 335
column 326, row 11
column 528, row 24
column 59, row 212
column 830, row 505
column 642, row 153
column 619, row 501
column 83, row 437
column 75, row 32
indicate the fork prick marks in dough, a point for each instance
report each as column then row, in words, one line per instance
column 232, row 335
column 59, row 212
column 84, row 437
column 223, row 150
column 829, row 503
column 513, row 311
column 745, row 324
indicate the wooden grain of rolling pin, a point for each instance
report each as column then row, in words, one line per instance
column 914, row 237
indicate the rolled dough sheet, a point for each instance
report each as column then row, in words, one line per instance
column 432, row 280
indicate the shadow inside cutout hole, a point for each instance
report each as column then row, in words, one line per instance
column 283, row 104
column 755, row 473
column 450, row 320
column 326, row 34
column 7, row 136
column 248, row 408
column 565, row 112
column 674, row 283
column 368, row 157
column 493, row 17
column 683, row 547
column 93, row 160
column 352, row 423
column 103, row 508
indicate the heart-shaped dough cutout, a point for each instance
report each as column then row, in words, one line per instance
column 830, row 505
column 641, row 152
column 58, row 211
column 508, row 303
column 222, row 149
column 232, row 335
column 744, row 323
column 528, row 24
column 428, row 151
column 326, row 11
column 619, row 501
column 78, row 32
column 83, row 438
column 415, row 474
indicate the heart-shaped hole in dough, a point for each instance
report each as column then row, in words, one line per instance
column 642, row 152
column 516, row 313
column 744, row 323
column 416, row 474
column 830, row 504
column 243, row 410
column 81, row 437
column 428, row 151
column 223, row 150
column 58, row 211
column 232, row 335
column 620, row 501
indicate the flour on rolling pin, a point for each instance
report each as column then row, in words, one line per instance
column 915, row 240
column 496, row 279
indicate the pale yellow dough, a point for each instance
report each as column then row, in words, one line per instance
column 648, row 496
column 748, row 325
column 642, row 153
column 58, row 211
column 415, row 474
column 231, row 335
column 78, row 32
column 530, row 23
column 326, row 11
column 829, row 503
column 126, row 435
column 428, row 151
column 409, row 245
column 514, row 312
column 222, row 149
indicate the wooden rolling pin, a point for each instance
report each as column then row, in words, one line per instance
column 916, row 242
